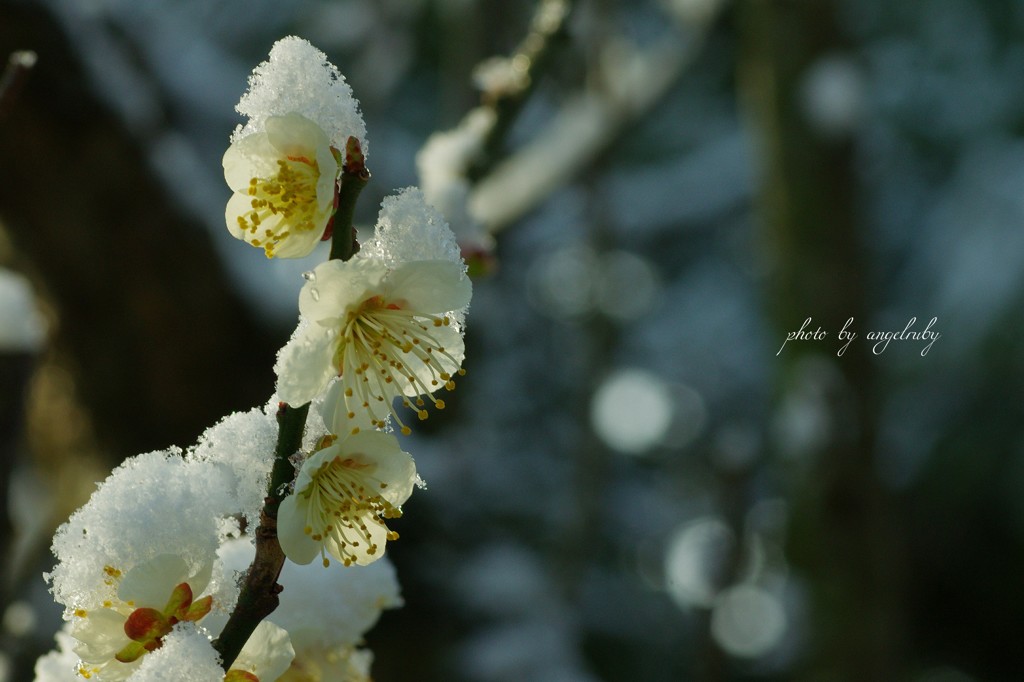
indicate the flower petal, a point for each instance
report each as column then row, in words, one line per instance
column 392, row 465
column 100, row 635
column 151, row 583
column 428, row 375
column 267, row 654
column 250, row 157
column 291, row 533
column 294, row 135
column 433, row 287
column 337, row 287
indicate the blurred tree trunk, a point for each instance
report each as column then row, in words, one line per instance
column 843, row 540
column 156, row 342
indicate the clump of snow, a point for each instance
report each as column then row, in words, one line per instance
column 153, row 504
column 409, row 229
column 186, row 655
column 297, row 78
column 242, row 446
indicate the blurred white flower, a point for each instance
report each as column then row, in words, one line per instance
column 342, row 493
column 443, row 164
column 24, row 328
column 341, row 664
column 284, row 180
column 326, row 613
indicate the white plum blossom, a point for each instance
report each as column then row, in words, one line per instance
column 284, row 180
column 284, row 163
column 140, row 557
column 387, row 323
column 384, row 332
column 150, row 600
column 343, row 493
column 267, row 654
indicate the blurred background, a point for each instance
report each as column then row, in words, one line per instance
column 632, row 482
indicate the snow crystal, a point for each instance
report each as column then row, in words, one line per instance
column 186, row 655
column 242, row 444
column 298, row 78
column 409, row 229
column 153, row 504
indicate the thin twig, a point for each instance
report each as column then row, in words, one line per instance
column 259, row 594
column 587, row 127
column 526, row 63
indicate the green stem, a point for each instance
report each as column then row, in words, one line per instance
column 354, row 177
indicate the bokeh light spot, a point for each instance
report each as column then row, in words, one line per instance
column 695, row 559
column 748, row 621
column 632, row 410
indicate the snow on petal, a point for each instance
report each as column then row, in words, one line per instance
column 136, row 516
column 298, row 78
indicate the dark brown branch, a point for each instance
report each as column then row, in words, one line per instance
column 259, row 595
